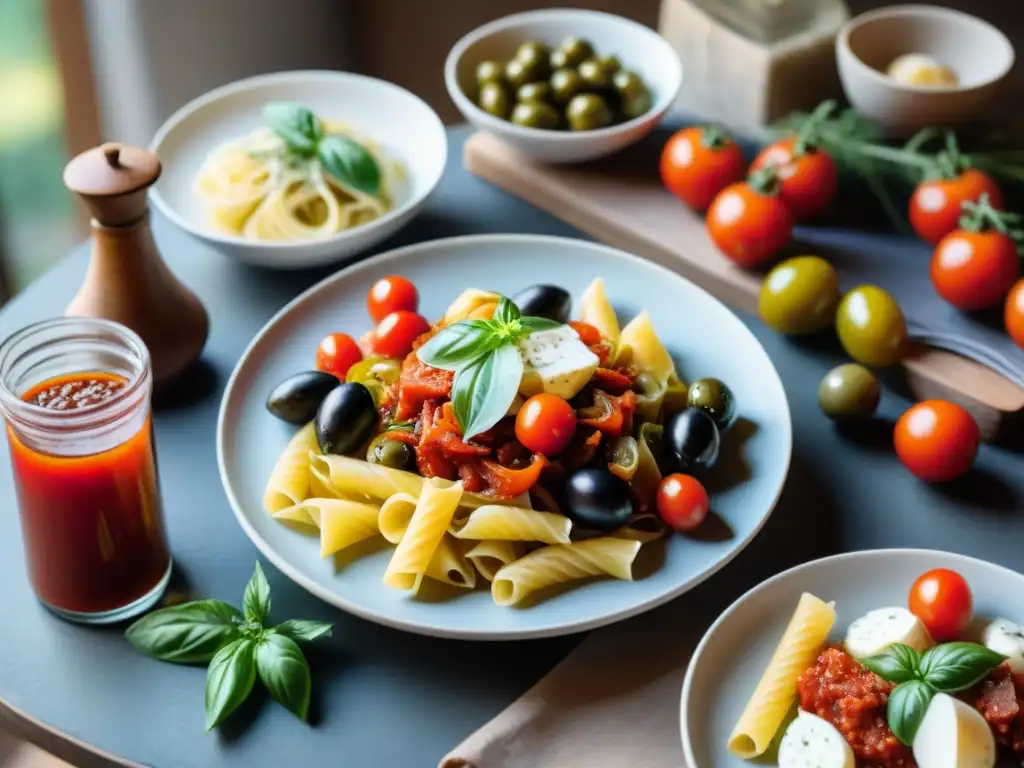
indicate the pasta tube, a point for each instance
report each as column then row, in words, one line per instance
column 596, row 310
column 395, row 514
column 512, row 524
column 488, row 557
column 430, row 521
column 450, row 566
column 289, row 479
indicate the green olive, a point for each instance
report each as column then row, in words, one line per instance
column 518, row 73
column 537, row 57
column 800, row 295
column 536, row 114
column 609, row 63
column 534, row 92
column 390, row 453
column 716, row 400
column 490, row 72
column 575, row 51
column 565, row 83
column 594, row 76
column 494, row 100
column 849, row 392
column 871, row 326
column 587, row 112
column 634, row 95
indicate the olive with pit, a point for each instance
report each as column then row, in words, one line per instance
column 565, row 83
column 691, row 441
column 490, row 72
column 519, row 73
column 715, row 398
column 574, row 51
column 588, row 112
column 534, row 92
column 634, row 95
column 609, row 63
column 800, row 295
column 536, row 56
column 871, row 326
column 548, row 301
column 297, row 398
column 535, row 114
column 597, row 500
column 849, row 392
column 391, row 453
column 495, row 101
column 594, row 76
column 345, row 419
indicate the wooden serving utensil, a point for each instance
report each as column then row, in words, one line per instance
column 127, row 280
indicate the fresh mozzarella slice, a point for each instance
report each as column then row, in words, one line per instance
column 953, row 735
column 877, row 630
column 1006, row 637
column 555, row 361
column 811, row 742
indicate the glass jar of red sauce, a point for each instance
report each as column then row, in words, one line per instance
column 75, row 394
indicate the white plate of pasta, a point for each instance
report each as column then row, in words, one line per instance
column 297, row 169
column 878, row 659
column 503, row 437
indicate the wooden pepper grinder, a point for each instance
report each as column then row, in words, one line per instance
column 127, row 280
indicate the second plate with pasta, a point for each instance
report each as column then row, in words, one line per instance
column 465, row 554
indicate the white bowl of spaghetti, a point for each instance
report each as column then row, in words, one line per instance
column 298, row 169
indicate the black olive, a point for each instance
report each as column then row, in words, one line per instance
column 597, row 499
column 548, row 301
column 297, row 398
column 345, row 419
column 691, row 441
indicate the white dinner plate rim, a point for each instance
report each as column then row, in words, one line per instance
column 570, row 627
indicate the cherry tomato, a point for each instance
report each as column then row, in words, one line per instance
column 809, row 178
column 975, row 270
column 391, row 294
column 935, row 205
column 337, row 353
column 699, row 162
column 396, row 333
column 682, row 502
column 936, row 440
column 749, row 223
column 546, row 424
column 1013, row 315
column 589, row 335
column 942, row 601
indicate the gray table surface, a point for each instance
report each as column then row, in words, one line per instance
column 383, row 698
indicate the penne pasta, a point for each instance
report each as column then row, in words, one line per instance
column 643, row 527
column 395, row 514
column 434, row 510
column 320, row 483
column 489, row 557
column 450, row 566
column 512, row 524
column 596, row 310
column 290, row 477
column 639, row 344
column 343, row 522
column 298, row 514
column 772, row 698
column 560, row 563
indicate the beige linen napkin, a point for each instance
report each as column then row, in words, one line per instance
column 612, row 703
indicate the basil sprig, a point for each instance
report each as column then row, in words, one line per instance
column 340, row 156
column 946, row 668
column 488, row 367
column 238, row 647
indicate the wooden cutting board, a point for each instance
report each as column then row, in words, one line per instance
column 621, row 203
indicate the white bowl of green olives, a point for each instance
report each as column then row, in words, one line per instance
column 564, row 85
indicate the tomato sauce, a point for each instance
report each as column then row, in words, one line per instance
column 92, row 523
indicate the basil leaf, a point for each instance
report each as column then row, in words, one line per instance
column 506, row 311
column 256, row 600
column 483, row 391
column 285, row 672
column 897, row 663
column 458, row 345
column 297, row 126
column 907, row 705
column 952, row 667
column 229, row 680
column 350, row 163
column 185, row 634
column 303, row 631
column 533, row 324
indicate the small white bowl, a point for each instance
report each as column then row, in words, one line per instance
column 408, row 130
column 639, row 48
column 978, row 52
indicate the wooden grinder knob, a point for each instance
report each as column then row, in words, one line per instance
column 127, row 280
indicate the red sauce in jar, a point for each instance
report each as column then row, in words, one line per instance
column 92, row 524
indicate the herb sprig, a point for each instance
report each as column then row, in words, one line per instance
column 946, row 668
column 237, row 645
column 488, row 367
column 304, row 139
